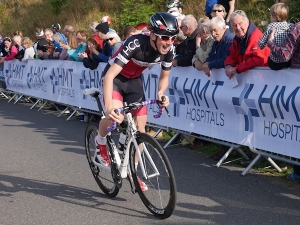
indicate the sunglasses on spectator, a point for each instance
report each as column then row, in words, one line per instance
column 166, row 38
column 110, row 39
column 182, row 26
column 217, row 10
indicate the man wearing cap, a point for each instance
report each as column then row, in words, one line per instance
column 102, row 29
column 41, row 43
column 56, row 28
column 106, row 19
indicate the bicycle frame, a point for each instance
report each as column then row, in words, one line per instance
column 130, row 134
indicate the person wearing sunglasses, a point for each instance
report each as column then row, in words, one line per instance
column 123, row 74
column 209, row 4
column 218, row 11
column 113, row 39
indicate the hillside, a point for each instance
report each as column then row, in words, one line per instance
column 25, row 15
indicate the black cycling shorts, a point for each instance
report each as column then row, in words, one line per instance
column 129, row 91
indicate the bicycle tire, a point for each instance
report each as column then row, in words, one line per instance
column 161, row 196
column 103, row 177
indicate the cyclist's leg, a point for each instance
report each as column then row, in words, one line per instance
column 100, row 139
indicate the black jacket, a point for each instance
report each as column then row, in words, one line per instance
column 187, row 51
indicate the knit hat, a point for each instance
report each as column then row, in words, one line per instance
column 56, row 26
column 102, row 27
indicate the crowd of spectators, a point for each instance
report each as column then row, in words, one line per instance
column 226, row 38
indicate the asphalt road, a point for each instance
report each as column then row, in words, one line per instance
column 45, row 179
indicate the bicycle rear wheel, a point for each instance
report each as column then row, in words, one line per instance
column 160, row 198
column 103, row 177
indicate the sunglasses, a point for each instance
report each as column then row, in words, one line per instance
column 217, row 10
column 110, row 39
column 166, row 38
column 182, row 26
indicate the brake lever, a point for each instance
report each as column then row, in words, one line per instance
column 163, row 98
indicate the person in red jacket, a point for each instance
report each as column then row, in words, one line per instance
column 244, row 51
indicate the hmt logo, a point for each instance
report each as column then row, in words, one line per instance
column 14, row 74
column 279, row 114
column 193, row 92
column 35, row 78
column 187, row 95
column 89, row 79
column 250, row 110
column 62, row 81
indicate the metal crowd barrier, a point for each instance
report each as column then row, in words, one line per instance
column 11, row 95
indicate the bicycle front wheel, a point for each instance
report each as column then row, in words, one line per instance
column 102, row 176
column 160, row 195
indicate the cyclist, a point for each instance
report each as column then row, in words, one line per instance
column 174, row 6
column 123, row 82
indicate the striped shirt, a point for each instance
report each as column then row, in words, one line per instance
column 290, row 49
column 282, row 30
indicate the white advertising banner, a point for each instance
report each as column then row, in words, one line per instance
column 259, row 109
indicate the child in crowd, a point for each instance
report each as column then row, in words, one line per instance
column 279, row 14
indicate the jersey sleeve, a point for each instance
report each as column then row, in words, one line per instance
column 129, row 48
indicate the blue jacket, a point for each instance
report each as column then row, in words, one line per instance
column 219, row 51
column 106, row 52
column 73, row 53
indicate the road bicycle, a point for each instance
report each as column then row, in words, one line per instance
column 153, row 168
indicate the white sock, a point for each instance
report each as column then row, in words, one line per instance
column 100, row 140
column 136, row 165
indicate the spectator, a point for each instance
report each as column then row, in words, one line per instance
column 70, row 47
column 17, row 42
column 179, row 42
column 91, row 61
column 29, row 50
column 189, row 29
column 51, row 46
column 94, row 33
column 39, row 34
column 204, row 42
column 244, row 52
column 218, row 11
column 174, row 6
column 295, row 175
column 209, row 6
column 68, row 29
column 55, row 29
column 1, row 44
column 229, row 8
column 81, row 46
column 279, row 15
column 17, row 33
column 10, row 49
column 103, row 56
column 128, row 31
column 107, row 19
column 141, row 26
column 178, row 17
column 113, row 39
column 220, row 49
column 290, row 48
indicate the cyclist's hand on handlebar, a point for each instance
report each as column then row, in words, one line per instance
column 114, row 115
column 163, row 100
